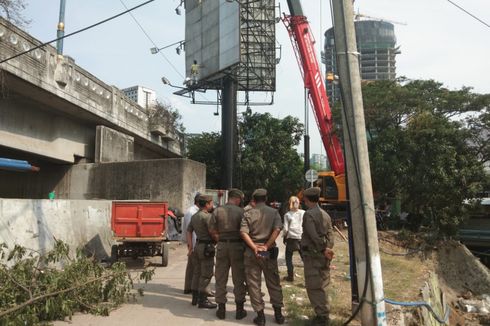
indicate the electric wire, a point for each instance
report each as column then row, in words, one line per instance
column 151, row 40
column 76, row 32
column 155, row 45
column 468, row 13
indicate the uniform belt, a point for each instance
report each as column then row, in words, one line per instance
column 230, row 240
column 307, row 248
column 261, row 241
column 204, row 241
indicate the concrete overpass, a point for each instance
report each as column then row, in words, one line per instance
column 54, row 109
column 88, row 138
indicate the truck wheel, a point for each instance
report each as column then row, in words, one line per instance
column 164, row 249
column 114, row 254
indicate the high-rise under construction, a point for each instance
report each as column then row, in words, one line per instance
column 376, row 43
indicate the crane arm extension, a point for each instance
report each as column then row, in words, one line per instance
column 303, row 43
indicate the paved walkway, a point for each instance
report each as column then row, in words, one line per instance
column 164, row 303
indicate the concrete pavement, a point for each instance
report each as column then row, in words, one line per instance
column 164, row 303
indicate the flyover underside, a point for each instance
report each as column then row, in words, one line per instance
column 36, row 121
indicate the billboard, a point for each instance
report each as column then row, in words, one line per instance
column 232, row 38
column 212, row 36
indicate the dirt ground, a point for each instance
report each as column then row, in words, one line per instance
column 406, row 266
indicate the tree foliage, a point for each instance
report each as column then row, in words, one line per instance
column 42, row 287
column 164, row 114
column 422, row 152
column 12, row 11
column 266, row 156
column 206, row 148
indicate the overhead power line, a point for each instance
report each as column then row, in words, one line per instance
column 78, row 31
column 151, row 40
column 469, row 13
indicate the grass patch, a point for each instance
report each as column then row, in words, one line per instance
column 403, row 276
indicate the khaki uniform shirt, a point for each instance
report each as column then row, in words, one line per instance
column 259, row 222
column 317, row 230
column 200, row 223
column 226, row 220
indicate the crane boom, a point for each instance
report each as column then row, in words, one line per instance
column 303, row 42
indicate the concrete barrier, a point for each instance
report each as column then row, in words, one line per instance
column 35, row 224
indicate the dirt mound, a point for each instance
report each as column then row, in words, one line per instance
column 459, row 271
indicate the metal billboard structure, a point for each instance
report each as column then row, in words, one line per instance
column 232, row 38
column 230, row 46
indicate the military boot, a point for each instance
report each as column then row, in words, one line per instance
column 221, row 312
column 289, row 278
column 240, row 311
column 203, row 302
column 320, row 321
column 278, row 315
column 260, row 319
column 194, row 297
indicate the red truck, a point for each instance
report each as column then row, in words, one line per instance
column 139, row 229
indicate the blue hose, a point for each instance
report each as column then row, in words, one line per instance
column 16, row 165
column 423, row 304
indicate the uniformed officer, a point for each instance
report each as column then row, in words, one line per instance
column 189, row 269
column 259, row 229
column 316, row 245
column 203, row 252
column 226, row 221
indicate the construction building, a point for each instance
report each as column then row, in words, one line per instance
column 376, row 42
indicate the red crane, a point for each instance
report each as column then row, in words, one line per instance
column 303, row 42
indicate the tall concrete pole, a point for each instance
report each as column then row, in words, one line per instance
column 365, row 236
column 61, row 28
column 228, row 130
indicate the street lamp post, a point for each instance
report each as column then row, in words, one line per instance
column 181, row 45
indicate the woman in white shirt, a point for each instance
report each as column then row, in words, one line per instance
column 293, row 229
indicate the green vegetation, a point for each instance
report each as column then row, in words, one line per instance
column 427, row 147
column 266, row 156
column 42, row 287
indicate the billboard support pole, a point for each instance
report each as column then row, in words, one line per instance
column 229, row 130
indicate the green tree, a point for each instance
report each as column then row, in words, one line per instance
column 164, row 114
column 268, row 157
column 421, row 152
column 206, row 148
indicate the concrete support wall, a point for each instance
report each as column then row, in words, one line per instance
column 31, row 127
column 173, row 180
column 113, row 146
column 35, row 224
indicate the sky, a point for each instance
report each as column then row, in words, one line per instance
column 438, row 42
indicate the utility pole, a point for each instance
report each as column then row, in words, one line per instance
column 61, row 29
column 229, row 130
column 358, row 172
